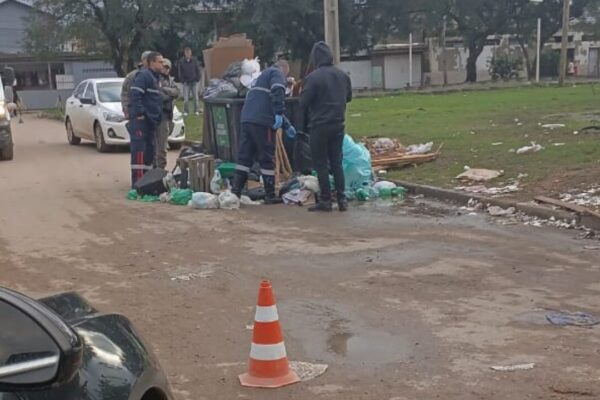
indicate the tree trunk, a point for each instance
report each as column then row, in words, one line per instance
column 528, row 66
column 475, row 50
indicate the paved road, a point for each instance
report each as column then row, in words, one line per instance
column 401, row 301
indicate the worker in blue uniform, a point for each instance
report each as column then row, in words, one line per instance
column 262, row 115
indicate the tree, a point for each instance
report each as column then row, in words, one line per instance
column 523, row 24
column 476, row 20
column 110, row 28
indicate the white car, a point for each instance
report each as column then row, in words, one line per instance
column 94, row 113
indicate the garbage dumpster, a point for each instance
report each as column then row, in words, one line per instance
column 222, row 126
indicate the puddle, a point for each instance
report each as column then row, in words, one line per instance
column 369, row 348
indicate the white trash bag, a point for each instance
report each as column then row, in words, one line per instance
column 204, row 201
column 216, row 183
column 229, row 201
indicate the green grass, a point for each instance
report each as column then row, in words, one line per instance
column 193, row 124
column 468, row 123
column 53, row 113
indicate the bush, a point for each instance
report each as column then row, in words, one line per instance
column 504, row 67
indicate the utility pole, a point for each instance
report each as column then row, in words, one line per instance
column 332, row 28
column 410, row 60
column 539, row 49
column 565, row 41
column 443, row 44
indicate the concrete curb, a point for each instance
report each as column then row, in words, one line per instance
column 586, row 220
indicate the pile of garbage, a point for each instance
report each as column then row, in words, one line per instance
column 589, row 198
column 390, row 153
column 235, row 82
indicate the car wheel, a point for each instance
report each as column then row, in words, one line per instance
column 175, row 146
column 73, row 140
column 101, row 145
column 7, row 154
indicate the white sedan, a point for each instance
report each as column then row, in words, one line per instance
column 94, row 113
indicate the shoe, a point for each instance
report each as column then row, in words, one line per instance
column 239, row 183
column 321, row 207
column 342, row 205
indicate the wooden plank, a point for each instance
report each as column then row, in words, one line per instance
column 563, row 204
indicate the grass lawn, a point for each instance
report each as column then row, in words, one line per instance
column 468, row 123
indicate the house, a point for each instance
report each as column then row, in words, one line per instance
column 41, row 83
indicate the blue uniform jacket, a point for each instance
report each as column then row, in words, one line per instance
column 266, row 98
column 145, row 97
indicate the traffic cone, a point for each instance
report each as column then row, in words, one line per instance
column 268, row 366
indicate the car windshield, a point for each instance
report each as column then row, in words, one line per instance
column 109, row 92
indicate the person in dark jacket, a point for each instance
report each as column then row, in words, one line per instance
column 324, row 96
column 169, row 93
column 262, row 116
column 145, row 115
column 189, row 75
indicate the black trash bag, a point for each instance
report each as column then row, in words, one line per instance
column 151, row 183
column 302, row 154
column 255, row 194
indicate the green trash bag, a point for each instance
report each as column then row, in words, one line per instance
column 132, row 195
column 181, row 197
column 149, row 199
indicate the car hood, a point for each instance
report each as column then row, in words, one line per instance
column 113, row 107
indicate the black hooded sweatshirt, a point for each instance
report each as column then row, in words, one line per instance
column 326, row 92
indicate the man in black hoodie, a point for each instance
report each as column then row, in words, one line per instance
column 324, row 96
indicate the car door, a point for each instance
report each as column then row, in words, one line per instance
column 88, row 111
column 74, row 107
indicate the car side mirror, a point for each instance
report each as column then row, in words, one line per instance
column 87, row 101
column 37, row 348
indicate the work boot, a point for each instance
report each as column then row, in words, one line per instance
column 270, row 196
column 239, row 183
column 321, row 207
column 343, row 205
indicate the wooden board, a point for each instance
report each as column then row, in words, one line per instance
column 568, row 206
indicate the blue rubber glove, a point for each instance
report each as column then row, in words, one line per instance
column 278, row 122
column 291, row 132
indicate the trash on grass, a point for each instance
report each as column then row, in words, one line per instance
column 534, row 148
column 493, row 191
column 479, row 174
column 565, row 318
column 513, row 368
column 553, row 126
column 497, row 144
column 420, row 148
column 558, row 144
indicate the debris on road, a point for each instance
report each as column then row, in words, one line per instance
column 204, row 201
column 496, row 211
column 228, row 201
column 479, row 174
column 591, row 247
column 513, row 368
column 307, row 371
column 419, row 148
column 493, row 191
column 534, row 148
column 588, row 198
column 565, row 318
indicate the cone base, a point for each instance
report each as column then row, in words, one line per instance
column 269, row 383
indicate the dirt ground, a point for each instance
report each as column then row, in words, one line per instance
column 403, row 302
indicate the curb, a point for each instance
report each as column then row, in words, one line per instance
column 589, row 221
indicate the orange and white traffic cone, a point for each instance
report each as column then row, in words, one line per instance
column 268, row 366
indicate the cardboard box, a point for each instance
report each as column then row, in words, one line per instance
column 225, row 51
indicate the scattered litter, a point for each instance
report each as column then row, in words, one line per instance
column 565, row 318
column 181, row 197
column 184, row 277
column 420, row 148
column 383, row 185
column 297, row 197
column 493, row 191
column 497, row 144
column 307, row 371
column 534, row 148
column 575, row 132
column 496, row 211
column 382, row 172
column 558, row 144
column 521, row 176
column 516, row 119
column 513, row 368
column 512, row 151
column 247, row 201
column 520, row 124
column 356, row 115
column 165, row 198
column 589, row 198
column 479, row 175
column 591, row 247
column 204, row 201
column 229, row 201
column 383, row 146
column 553, row 126
column 250, row 327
